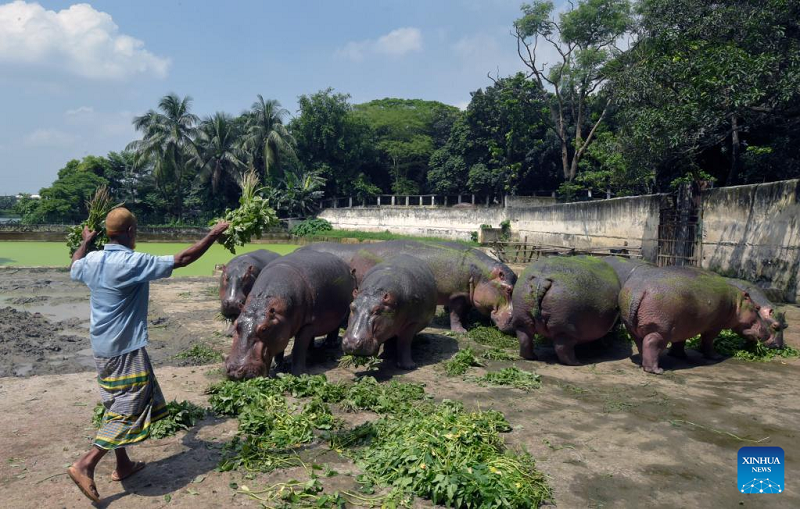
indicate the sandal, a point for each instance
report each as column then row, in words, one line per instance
column 136, row 467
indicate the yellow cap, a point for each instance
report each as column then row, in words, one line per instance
column 119, row 220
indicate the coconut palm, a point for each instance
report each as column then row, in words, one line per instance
column 218, row 155
column 266, row 137
column 168, row 144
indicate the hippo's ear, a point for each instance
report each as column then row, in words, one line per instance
column 387, row 299
column 355, row 292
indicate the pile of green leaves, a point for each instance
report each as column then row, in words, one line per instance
column 730, row 344
column 253, row 216
column 491, row 336
column 452, row 457
column 461, row 362
column 513, row 377
column 180, row 416
column 200, row 354
column 271, row 430
column 496, row 354
column 308, row 227
column 358, row 361
column 99, row 207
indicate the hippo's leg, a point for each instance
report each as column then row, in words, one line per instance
column 526, row 345
column 302, row 340
column 652, row 346
column 278, row 360
column 404, row 339
column 678, row 350
column 389, row 348
column 332, row 339
column 565, row 350
column 458, row 313
column 707, row 345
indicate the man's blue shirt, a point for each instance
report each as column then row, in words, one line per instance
column 119, row 280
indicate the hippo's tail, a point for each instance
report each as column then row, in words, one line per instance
column 633, row 309
column 539, row 285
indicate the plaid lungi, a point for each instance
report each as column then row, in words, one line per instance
column 132, row 398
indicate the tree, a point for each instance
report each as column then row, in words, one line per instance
column 333, row 141
column 303, row 191
column 407, row 131
column 266, row 138
column 65, row 200
column 713, row 87
column 218, row 157
column 499, row 146
column 168, row 144
column 584, row 38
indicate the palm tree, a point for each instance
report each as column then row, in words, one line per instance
column 303, row 191
column 266, row 137
column 218, row 155
column 168, row 144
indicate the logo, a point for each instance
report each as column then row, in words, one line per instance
column 761, row 470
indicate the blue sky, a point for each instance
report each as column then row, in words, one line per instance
column 72, row 76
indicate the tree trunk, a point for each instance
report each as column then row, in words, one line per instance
column 733, row 174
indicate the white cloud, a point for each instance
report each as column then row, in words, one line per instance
column 49, row 138
column 78, row 111
column 396, row 43
column 462, row 105
column 79, row 40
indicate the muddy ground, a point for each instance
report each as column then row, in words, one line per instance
column 606, row 434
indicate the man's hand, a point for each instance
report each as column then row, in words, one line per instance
column 218, row 228
column 88, row 235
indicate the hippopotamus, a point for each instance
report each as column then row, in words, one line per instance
column 396, row 299
column 624, row 267
column 774, row 319
column 570, row 300
column 662, row 305
column 303, row 295
column 465, row 277
column 238, row 276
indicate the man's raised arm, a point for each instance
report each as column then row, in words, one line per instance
column 87, row 235
column 194, row 252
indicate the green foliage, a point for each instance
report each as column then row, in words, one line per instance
column 313, row 226
column 702, row 71
column 491, row 336
column 180, row 416
column 461, row 362
column 249, row 220
column 497, row 354
column 416, row 447
column 358, row 361
column 513, row 377
column 730, row 344
column 200, row 354
column 452, row 457
column 99, row 207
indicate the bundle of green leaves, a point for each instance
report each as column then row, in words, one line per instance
column 250, row 219
column 99, row 207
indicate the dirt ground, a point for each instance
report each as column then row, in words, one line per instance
column 605, row 434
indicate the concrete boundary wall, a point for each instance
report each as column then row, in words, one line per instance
column 619, row 222
column 751, row 232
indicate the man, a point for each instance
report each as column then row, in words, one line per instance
column 118, row 278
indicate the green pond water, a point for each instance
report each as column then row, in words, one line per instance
column 51, row 254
